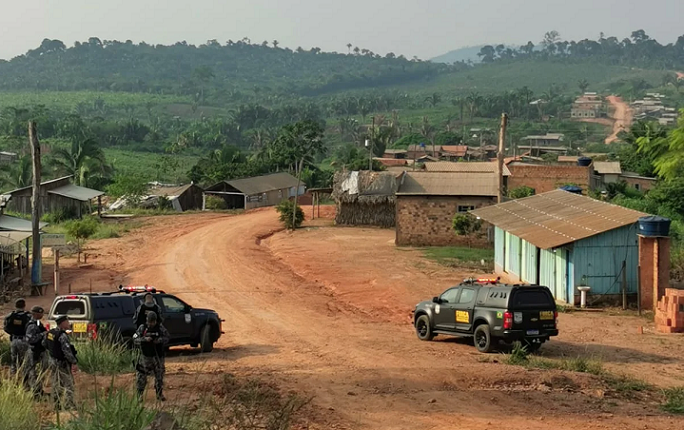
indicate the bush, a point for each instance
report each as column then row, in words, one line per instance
column 104, row 356
column 674, row 400
column 59, row 216
column 112, row 409
column 519, row 356
column 285, row 210
column 17, row 411
column 520, row 192
column 214, row 203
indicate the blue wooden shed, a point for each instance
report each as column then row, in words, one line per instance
column 562, row 240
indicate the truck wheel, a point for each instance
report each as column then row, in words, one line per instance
column 423, row 330
column 483, row 339
column 206, row 345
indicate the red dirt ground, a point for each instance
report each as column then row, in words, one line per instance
column 622, row 114
column 324, row 312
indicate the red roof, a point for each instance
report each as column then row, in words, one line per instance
column 457, row 150
column 391, row 162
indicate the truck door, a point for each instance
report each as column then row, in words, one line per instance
column 177, row 319
column 444, row 310
column 463, row 309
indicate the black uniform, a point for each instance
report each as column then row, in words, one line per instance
column 15, row 325
column 62, row 357
column 142, row 311
column 35, row 334
column 152, row 358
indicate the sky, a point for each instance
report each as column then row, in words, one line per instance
column 423, row 28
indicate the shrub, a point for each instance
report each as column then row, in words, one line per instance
column 59, row 216
column 17, row 411
column 674, row 400
column 466, row 225
column 520, row 192
column 4, row 351
column 214, row 203
column 519, row 355
column 104, row 356
column 285, row 210
column 582, row 365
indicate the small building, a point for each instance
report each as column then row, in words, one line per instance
column 428, row 201
column 548, row 139
column 8, row 157
column 55, row 196
column 392, row 162
column 606, row 172
column 416, row 152
column 395, row 153
column 548, row 177
column 639, row 183
column 258, row 191
column 453, row 152
column 182, row 198
column 561, row 240
column 589, row 105
column 365, row 198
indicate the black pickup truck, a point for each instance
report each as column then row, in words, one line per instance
column 93, row 313
column 490, row 312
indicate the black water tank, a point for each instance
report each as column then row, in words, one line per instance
column 572, row 189
column 584, row 161
column 654, row 226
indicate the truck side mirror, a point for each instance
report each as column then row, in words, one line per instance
column 436, row 300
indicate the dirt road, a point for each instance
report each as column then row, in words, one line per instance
column 680, row 75
column 622, row 114
column 352, row 351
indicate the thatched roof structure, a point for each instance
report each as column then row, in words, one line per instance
column 365, row 198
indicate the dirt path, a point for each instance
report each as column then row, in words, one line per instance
column 622, row 114
column 351, row 349
column 680, row 75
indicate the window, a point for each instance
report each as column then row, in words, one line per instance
column 449, row 296
column 467, row 295
column 532, row 299
column 464, row 209
column 637, row 187
column 280, row 194
column 70, row 307
column 173, row 305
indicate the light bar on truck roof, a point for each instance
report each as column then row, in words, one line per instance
column 138, row 289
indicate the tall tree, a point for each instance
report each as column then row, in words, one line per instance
column 583, row 85
column 84, row 160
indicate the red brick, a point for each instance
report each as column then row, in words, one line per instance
column 545, row 178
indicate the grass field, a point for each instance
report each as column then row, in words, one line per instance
column 454, row 256
column 147, row 165
column 70, row 99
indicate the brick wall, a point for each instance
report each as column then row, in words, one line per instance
column 427, row 220
column 545, row 178
column 645, row 184
column 654, row 260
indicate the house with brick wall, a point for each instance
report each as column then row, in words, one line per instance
column 426, row 203
column 548, row 177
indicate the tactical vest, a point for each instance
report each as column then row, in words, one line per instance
column 54, row 348
column 142, row 315
column 15, row 323
column 37, row 347
column 151, row 349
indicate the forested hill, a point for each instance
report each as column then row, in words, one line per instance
column 184, row 69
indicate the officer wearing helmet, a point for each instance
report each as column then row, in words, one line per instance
column 152, row 338
column 148, row 305
column 35, row 334
column 62, row 362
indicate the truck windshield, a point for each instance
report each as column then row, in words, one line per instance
column 70, row 307
column 531, row 299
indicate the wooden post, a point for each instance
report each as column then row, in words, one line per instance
column 500, row 155
column 99, row 206
column 313, row 205
column 624, row 285
column 56, row 271
column 299, row 181
column 204, row 201
column 36, row 269
column 639, row 289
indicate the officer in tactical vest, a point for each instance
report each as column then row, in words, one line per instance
column 62, row 359
column 35, row 334
column 152, row 339
column 15, row 325
column 148, row 305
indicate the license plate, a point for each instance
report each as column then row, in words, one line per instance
column 532, row 332
column 546, row 315
column 79, row 327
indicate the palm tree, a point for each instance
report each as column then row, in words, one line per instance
column 275, row 44
column 428, row 132
column 433, row 100
column 18, row 174
column 349, row 47
column 583, row 85
column 473, row 101
column 84, row 160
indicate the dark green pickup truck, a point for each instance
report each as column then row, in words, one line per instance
column 489, row 312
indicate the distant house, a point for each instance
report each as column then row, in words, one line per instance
column 395, row 153
column 392, row 162
column 638, row 182
column 56, row 195
column 365, row 198
column 453, row 152
column 183, row 198
column 606, row 172
column 415, row 152
column 8, row 157
column 561, row 240
column 546, row 177
column 467, row 167
column 548, row 139
column 589, row 105
column 258, row 191
column 427, row 202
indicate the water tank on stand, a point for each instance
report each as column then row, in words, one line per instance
column 584, row 161
column 654, row 226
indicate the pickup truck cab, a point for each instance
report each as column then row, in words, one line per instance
column 92, row 313
column 489, row 312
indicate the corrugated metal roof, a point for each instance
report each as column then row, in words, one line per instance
column 427, row 147
column 392, row 161
column 607, row 167
column 75, row 192
column 556, row 218
column 11, row 223
column 169, row 191
column 449, row 184
column 465, row 167
column 567, row 159
column 42, row 183
column 395, row 151
column 264, row 184
column 457, row 150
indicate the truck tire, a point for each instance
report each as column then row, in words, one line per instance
column 206, row 345
column 423, row 329
column 483, row 339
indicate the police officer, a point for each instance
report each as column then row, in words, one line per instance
column 152, row 339
column 15, row 325
column 35, row 334
column 148, row 305
column 62, row 359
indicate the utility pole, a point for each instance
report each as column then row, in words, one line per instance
column 500, row 155
column 299, row 181
column 369, row 143
column 36, row 268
